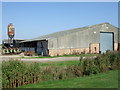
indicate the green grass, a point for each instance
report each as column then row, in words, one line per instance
column 102, row 80
column 61, row 63
column 87, row 55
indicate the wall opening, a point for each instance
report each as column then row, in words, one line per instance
column 106, row 41
column 42, row 48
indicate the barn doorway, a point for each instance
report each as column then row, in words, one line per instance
column 106, row 41
column 42, row 48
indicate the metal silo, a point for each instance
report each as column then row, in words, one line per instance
column 11, row 33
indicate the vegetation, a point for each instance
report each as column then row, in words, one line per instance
column 77, row 55
column 58, row 64
column 17, row 73
column 102, row 80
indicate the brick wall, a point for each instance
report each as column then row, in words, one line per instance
column 94, row 48
column 55, row 52
column 115, row 46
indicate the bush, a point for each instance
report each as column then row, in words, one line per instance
column 16, row 73
column 48, row 72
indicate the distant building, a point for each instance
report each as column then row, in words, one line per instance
column 91, row 39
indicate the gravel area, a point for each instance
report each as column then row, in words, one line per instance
column 14, row 57
column 6, row 58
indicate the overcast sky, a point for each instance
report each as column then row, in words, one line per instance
column 33, row 19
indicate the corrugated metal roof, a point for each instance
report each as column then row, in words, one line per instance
column 61, row 33
column 6, row 40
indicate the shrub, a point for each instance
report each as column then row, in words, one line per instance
column 12, row 70
column 103, row 64
column 48, row 73
column 114, row 58
column 62, row 73
column 16, row 73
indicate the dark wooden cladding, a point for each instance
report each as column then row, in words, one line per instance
column 29, row 44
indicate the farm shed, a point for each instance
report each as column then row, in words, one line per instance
column 91, row 39
column 15, row 42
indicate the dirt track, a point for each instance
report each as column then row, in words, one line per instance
column 14, row 57
column 52, row 59
column 6, row 58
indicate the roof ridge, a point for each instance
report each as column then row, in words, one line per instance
column 64, row 32
column 73, row 29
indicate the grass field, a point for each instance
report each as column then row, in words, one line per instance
column 87, row 55
column 102, row 80
column 56, row 64
column 60, row 63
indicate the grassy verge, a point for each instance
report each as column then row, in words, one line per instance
column 102, row 80
column 17, row 73
column 60, row 63
column 87, row 55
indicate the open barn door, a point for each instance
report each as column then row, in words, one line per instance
column 42, row 48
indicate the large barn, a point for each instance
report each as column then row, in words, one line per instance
column 91, row 39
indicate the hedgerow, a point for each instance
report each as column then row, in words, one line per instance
column 16, row 73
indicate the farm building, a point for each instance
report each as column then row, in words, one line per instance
column 15, row 42
column 91, row 39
